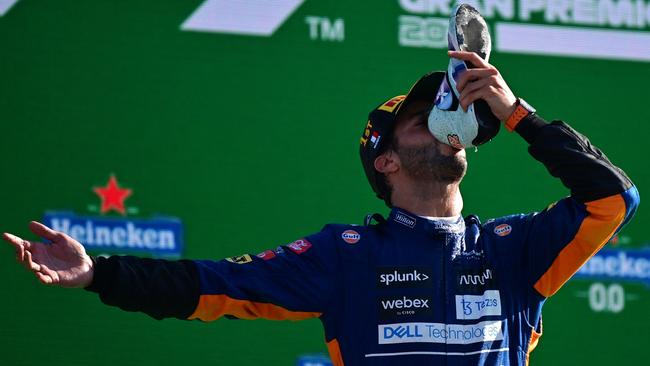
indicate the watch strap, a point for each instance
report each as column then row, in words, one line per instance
column 519, row 113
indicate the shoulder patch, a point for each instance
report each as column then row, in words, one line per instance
column 266, row 255
column 351, row 236
column 240, row 259
column 300, row 246
column 503, row 230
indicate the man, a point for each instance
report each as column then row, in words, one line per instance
column 423, row 287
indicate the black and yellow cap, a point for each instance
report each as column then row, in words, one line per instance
column 379, row 128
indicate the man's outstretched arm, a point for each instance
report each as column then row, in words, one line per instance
column 158, row 288
column 292, row 282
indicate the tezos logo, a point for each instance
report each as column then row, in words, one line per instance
column 404, row 277
column 478, row 306
column 351, row 236
column 503, row 230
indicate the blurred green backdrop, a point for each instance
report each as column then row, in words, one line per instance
column 252, row 142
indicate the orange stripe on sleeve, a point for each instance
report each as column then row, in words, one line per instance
column 534, row 339
column 605, row 216
column 335, row 352
column 213, row 307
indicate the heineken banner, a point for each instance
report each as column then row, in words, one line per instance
column 206, row 129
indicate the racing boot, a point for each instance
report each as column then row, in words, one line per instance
column 447, row 120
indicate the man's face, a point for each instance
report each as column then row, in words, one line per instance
column 421, row 155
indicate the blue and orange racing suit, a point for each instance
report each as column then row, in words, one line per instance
column 405, row 290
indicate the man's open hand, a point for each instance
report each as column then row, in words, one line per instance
column 64, row 262
column 484, row 82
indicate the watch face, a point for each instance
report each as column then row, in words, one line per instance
column 528, row 107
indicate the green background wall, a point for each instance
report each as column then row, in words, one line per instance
column 252, row 142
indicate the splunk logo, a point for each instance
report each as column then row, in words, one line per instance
column 404, row 277
column 487, row 331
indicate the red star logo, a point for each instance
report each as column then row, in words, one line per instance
column 112, row 196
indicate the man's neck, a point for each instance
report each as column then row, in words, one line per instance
column 432, row 199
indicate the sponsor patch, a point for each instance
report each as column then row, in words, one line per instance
column 405, row 219
column 404, row 277
column 483, row 278
column 374, row 139
column 392, row 104
column 503, row 230
column 266, row 255
column 351, row 236
column 240, row 259
column 487, row 331
column 478, row 306
column 400, row 306
column 300, row 246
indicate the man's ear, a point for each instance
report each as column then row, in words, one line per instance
column 387, row 162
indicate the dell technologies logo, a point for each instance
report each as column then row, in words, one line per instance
column 404, row 277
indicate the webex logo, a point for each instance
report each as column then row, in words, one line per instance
column 390, row 307
column 404, row 277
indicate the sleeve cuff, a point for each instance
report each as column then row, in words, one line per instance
column 530, row 126
column 99, row 271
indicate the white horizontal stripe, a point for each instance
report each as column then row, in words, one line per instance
column 437, row 353
column 571, row 41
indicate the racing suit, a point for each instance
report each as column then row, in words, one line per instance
column 406, row 290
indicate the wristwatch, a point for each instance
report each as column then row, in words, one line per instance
column 523, row 109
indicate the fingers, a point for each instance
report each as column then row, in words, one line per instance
column 47, row 276
column 19, row 244
column 43, row 231
column 471, row 57
column 469, row 99
column 29, row 264
column 473, row 75
column 475, row 90
column 44, row 279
